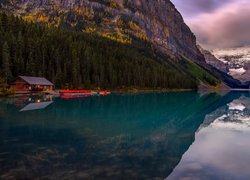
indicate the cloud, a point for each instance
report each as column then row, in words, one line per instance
column 191, row 8
column 219, row 24
column 227, row 27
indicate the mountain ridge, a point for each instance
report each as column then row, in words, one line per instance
column 158, row 22
column 237, row 60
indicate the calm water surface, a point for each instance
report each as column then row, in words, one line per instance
column 178, row 135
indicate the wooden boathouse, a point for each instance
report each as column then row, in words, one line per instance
column 28, row 83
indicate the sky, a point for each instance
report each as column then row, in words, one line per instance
column 217, row 23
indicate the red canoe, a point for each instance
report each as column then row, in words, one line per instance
column 69, row 94
column 74, row 91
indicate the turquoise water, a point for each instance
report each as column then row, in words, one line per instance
column 126, row 136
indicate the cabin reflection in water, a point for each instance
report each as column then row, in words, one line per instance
column 36, row 103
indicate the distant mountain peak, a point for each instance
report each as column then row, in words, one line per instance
column 237, row 60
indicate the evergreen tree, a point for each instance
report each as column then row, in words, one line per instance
column 30, row 70
column 59, row 76
column 1, row 25
column 6, row 62
column 75, row 68
column 2, row 82
column 5, row 22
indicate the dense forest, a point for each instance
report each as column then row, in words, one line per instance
column 84, row 60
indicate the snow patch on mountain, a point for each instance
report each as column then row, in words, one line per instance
column 239, row 71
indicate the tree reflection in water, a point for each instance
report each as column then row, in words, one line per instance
column 130, row 136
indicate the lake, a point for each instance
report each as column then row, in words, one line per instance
column 174, row 135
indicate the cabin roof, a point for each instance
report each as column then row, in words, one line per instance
column 36, row 80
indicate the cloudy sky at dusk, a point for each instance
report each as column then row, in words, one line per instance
column 217, row 23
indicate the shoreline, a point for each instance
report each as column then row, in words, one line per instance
column 149, row 90
column 56, row 92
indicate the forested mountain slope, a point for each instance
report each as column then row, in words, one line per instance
column 156, row 21
column 77, row 59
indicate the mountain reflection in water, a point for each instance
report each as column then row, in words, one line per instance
column 121, row 136
column 221, row 146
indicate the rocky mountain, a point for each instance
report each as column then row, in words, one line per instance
column 222, row 70
column 213, row 61
column 156, row 21
column 237, row 61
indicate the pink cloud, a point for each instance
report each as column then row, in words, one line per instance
column 226, row 26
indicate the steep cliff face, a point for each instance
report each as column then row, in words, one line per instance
column 213, row 61
column 156, row 21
